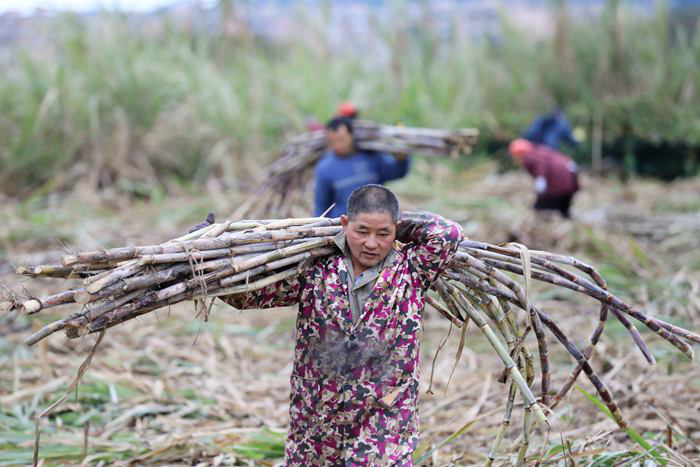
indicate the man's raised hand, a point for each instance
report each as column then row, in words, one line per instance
column 211, row 218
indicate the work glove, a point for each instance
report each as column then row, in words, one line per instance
column 540, row 185
column 211, row 218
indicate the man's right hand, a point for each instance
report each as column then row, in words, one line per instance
column 211, row 218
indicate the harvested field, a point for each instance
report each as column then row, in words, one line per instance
column 174, row 390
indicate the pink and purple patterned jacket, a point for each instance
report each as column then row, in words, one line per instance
column 354, row 397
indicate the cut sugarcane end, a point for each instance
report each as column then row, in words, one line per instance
column 31, row 306
column 82, row 298
column 69, row 260
column 94, row 287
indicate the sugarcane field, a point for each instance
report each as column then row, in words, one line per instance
column 386, row 233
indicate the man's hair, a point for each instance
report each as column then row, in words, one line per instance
column 373, row 198
column 337, row 122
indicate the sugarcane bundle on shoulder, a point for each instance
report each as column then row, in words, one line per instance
column 361, row 299
column 287, row 179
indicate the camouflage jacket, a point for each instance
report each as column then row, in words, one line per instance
column 354, row 386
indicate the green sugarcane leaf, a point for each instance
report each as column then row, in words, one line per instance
column 631, row 432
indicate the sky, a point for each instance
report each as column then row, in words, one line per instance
column 27, row 6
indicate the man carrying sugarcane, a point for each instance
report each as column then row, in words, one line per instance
column 343, row 168
column 555, row 174
column 354, row 386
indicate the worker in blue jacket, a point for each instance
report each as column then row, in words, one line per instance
column 551, row 130
column 343, row 168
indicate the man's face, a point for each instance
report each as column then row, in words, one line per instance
column 370, row 237
column 340, row 141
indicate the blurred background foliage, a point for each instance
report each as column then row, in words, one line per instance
column 111, row 105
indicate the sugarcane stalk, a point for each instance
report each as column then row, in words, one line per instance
column 271, row 266
column 240, row 266
column 444, row 290
column 587, row 369
column 651, row 323
column 259, row 284
column 505, row 422
column 48, row 270
column 167, row 258
column 148, row 303
column 121, row 272
column 578, row 356
column 35, row 305
column 665, row 330
column 509, row 331
column 443, row 311
column 119, row 310
column 533, row 316
column 83, row 297
column 60, row 271
column 223, row 241
column 46, row 331
column 162, row 276
column 492, row 290
column 104, row 308
column 495, row 342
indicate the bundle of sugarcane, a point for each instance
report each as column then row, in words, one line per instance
column 230, row 258
column 288, row 178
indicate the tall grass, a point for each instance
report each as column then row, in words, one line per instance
column 114, row 106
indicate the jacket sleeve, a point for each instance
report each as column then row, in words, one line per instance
column 567, row 133
column 391, row 168
column 285, row 292
column 323, row 191
column 432, row 243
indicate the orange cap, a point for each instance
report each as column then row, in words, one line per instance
column 519, row 147
column 347, row 109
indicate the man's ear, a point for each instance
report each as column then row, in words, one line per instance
column 344, row 221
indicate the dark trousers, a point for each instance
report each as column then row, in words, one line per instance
column 555, row 203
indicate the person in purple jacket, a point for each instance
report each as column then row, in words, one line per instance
column 343, row 168
column 555, row 174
